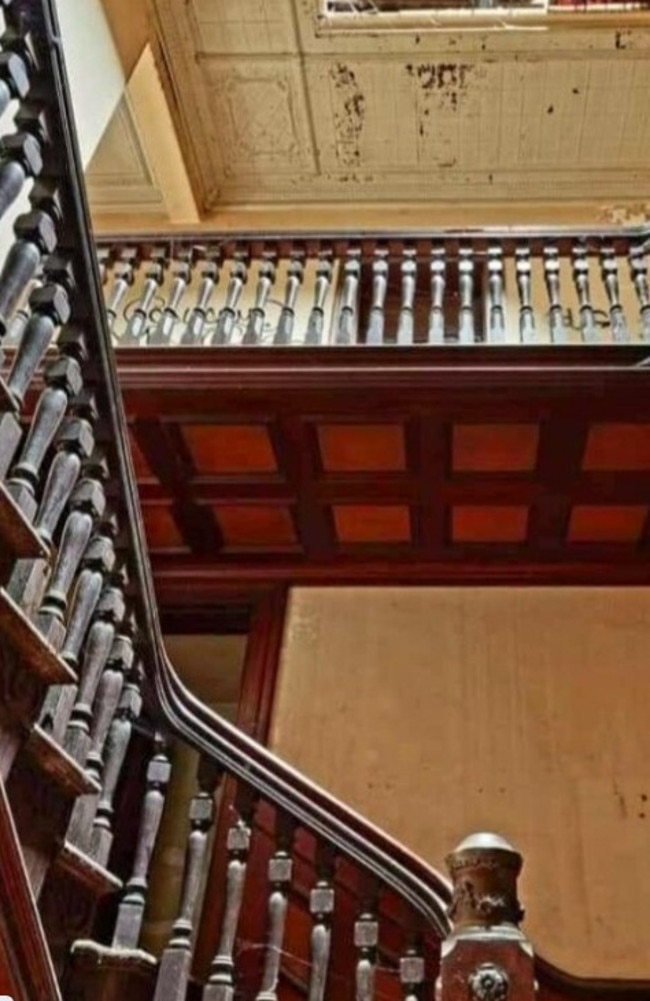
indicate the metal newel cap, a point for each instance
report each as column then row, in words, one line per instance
column 484, row 870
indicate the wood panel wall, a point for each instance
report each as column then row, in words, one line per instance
column 437, row 712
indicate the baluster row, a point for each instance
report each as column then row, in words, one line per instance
column 69, row 600
column 360, row 891
column 491, row 294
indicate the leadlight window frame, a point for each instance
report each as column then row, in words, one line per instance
column 391, row 15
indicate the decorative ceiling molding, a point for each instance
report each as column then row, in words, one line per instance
column 274, row 113
column 138, row 168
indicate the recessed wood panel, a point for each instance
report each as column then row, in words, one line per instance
column 491, row 448
column 140, row 464
column 607, row 523
column 618, row 447
column 161, row 529
column 255, row 525
column 353, row 448
column 372, row 523
column 473, row 523
column 230, row 448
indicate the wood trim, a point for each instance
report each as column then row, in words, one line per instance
column 261, row 664
column 253, row 718
column 30, row 975
column 174, row 575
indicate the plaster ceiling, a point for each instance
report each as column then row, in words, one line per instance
column 273, row 107
column 120, row 171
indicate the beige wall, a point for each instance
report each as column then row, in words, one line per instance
column 437, row 712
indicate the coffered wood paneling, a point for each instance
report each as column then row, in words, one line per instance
column 331, row 468
column 276, row 109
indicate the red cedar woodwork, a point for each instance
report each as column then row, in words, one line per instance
column 619, row 447
column 327, row 492
column 494, row 448
column 356, row 448
column 230, row 448
column 255, row 705
column 26, row 970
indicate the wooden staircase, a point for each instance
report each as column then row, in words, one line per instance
column 285, row 893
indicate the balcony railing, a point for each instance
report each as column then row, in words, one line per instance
column 528, row 288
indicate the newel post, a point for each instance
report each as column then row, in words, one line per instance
column 486, row 957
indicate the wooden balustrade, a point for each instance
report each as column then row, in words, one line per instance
column 564, row 288
column 89, row 704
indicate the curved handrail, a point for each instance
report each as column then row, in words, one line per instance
column 239, row 755
column 425, row 889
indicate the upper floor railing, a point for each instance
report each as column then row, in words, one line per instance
column 452, row 288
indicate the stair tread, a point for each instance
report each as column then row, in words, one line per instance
column 39, row 656
column 16, row 533
column 58, row 764
column 106, row 955
column 85, row 870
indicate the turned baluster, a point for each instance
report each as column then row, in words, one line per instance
column 131, row 909
column 87, row 504
column 221, row 981
column 279, row 875
column 153, row 279
column 63, row 380
column 21, row 153
column 496, row 321
column 174, row 970
column 346, row 327
column 552, row 278
column 17, row 36
column 254, row 332
column 405, row 325
column 36, row 237
column 321, row 908
column 609, row 271
column 123, row 279
column 438, row 269
column 316, row 321
column 107, row 698
column 97, row 562
column 109, row 691
column 466, row 296
column 97, row 647
column 228, row 314
column 49, row 307
column 287, row 318
column 411, row 975
column 639, row 276
column 523, row 270
column 196, row 321
column 581, row 282
column 182, row 275
column 105, row 260
column 21, row 315
column 74, row 443
column 366, row 939
column 375, row 328
column 21, row 157
column 14, row 76
column 117, row 743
